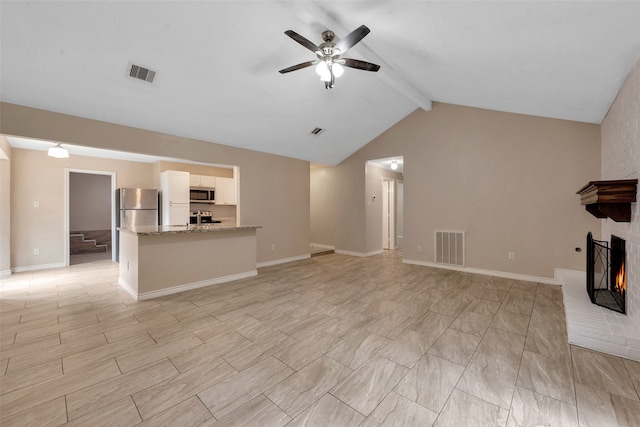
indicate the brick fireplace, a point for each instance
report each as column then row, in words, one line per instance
column 589, row 325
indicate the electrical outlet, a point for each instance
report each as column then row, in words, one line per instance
column 273, row 246
column 36, row 204
column 419, row 248
column 36, row 251
column 512, row 255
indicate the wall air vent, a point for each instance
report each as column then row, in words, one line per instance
column 142, row 73
column 317, row 131
column 450, row 247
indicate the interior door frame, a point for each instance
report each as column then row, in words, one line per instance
column 67, row 198
column 389, row 205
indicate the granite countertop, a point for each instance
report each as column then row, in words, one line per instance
column 176, row 229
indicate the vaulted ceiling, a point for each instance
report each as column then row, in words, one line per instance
column 218, row 62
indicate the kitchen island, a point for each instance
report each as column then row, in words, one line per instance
column 162, row 260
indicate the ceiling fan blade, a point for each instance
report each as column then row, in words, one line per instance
column 297, row 67
column 303, row 41
column 360, row 65
column 352, row 38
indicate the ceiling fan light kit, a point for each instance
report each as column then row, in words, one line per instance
column 329, row 64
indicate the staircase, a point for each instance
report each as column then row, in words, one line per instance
column 89, row 242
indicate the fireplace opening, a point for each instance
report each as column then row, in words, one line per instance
column 606, row 274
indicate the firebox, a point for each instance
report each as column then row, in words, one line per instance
column 606, row 275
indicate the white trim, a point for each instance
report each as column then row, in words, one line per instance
column 67, row 171
column 282, row 261
column 360, row 254
column 319, row 245
column 5, row 274
column 503, row 274
column 38, row 267
column 185, row 287
column 128, row 288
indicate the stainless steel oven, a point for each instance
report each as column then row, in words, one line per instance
column 202, row 217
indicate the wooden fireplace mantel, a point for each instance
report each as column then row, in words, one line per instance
column 610, row 199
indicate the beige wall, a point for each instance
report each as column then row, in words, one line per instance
column 508, row 180
column 195, row 169
column 274, row 190
column 37, row 177
column 5, row 207
column 338, row 206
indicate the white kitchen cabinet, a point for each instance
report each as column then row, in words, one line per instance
column 175, row 197
column 202, row 181
column 226, row 191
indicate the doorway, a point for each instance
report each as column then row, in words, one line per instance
column 89, row 217
column 384, row 179
column 389, row 240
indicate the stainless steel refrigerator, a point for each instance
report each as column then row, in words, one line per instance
column 135, row 207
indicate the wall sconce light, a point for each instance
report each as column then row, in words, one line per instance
column 394, row 165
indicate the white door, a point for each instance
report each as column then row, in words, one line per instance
column 388, row 214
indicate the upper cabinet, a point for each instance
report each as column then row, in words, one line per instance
column 226, row 191
column 202, row 181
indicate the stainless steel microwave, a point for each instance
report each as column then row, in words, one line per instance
column 202, row 195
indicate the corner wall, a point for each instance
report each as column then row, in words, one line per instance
column 621, row 160
column 508, row 180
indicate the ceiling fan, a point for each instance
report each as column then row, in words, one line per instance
column 329, row 63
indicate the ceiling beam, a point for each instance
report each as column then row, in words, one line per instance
column 311, row 13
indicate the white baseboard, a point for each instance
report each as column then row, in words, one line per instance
column 282, row 261
column 319, row 245
column 38, row 267
column 185, row 287
column 360, row 254
column 128, row 288
column 503, row 274
column 5, row 274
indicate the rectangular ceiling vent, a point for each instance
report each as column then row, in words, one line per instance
column 317, row 131
column 142, row 73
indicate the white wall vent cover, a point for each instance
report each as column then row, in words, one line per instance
column 141, row 73
column 449, row 247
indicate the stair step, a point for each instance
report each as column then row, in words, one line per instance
column 79, row 245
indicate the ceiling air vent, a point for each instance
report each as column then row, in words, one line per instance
column 141, row 73
column 316, row 131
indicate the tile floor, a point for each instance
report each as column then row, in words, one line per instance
column 330, row 341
